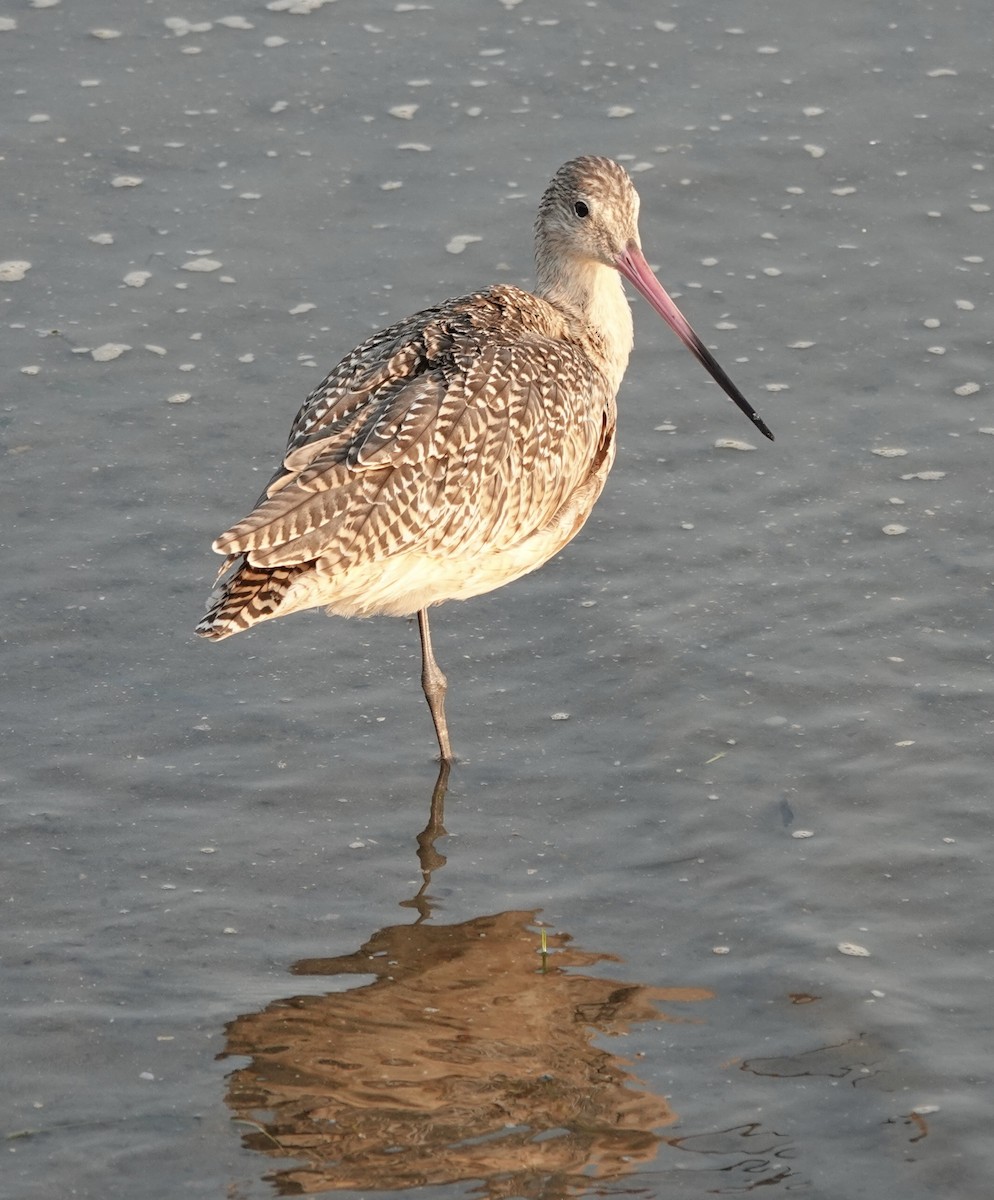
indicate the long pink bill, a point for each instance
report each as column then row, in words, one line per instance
column 631, row 263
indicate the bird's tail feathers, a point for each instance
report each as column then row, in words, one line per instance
column 245, row 595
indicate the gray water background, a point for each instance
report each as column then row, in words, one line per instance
column 742, row 651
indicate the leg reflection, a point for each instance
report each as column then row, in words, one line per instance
column 429, row 857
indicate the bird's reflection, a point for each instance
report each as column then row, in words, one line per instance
column 470, row 1056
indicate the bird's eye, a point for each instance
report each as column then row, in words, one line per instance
column 581, row 209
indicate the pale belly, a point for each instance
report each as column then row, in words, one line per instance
column 405, row 583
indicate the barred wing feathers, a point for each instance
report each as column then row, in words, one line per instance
column 459, row 440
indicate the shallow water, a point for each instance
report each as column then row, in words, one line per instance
column 195, row 835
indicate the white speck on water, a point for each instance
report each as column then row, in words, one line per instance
column 721, row 949
column 105, row 35
column 923, row 1110
column 126, row 181
column 967, row 389
column 889, row 452
column 235, row 22
column 937, row 350
column 146, row 1075
column 843, row 191
column 620, row 110
column 160, row 350
column 733, row 444
column 907, row 742
column 90, row 82
column 814, row 151
column 709, row 262
column 895, row 500
column 724, row 325
column 421, row 147
column 279, row 106
column 894, row 530
column 204, row 265
column 559, row 716
column 777, row 387
column 109, row 351
column 767, row 49
column 458, row 243
column 965, row 305
column 773, row 272
column 391, row 185
column 181, row 26
column 666, row 427
column 273, row 41
column 936, row 72
column 296, row 8
column 137, row 279
column 800, row 345
column 686, row 524
column 32, row 370
column 980, row 208
column 182, row 398
column 307, row 306
column 229, row 929
column 665, row 26
column 192, row 50
column 803, row 833
column 928, row 475
column 246, row 358
column 931, row 322
column 853, row 950
column 403, row 112
column 7, row 24
column 357, row 845
column 986, row 429
column 39, row 118
column 13, row 270
column 188, row 366
column 813, row 111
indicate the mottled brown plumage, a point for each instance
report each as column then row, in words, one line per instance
column 463, row 447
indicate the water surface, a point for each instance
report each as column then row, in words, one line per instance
column 743, row 720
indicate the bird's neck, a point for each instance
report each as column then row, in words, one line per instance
column 592, row 298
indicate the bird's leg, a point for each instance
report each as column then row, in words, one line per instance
column 434, row 684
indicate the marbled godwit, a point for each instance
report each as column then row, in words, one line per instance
column 463, row 447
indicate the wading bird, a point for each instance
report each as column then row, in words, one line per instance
column 463, row 447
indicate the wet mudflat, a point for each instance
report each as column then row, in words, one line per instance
column 732, row 750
